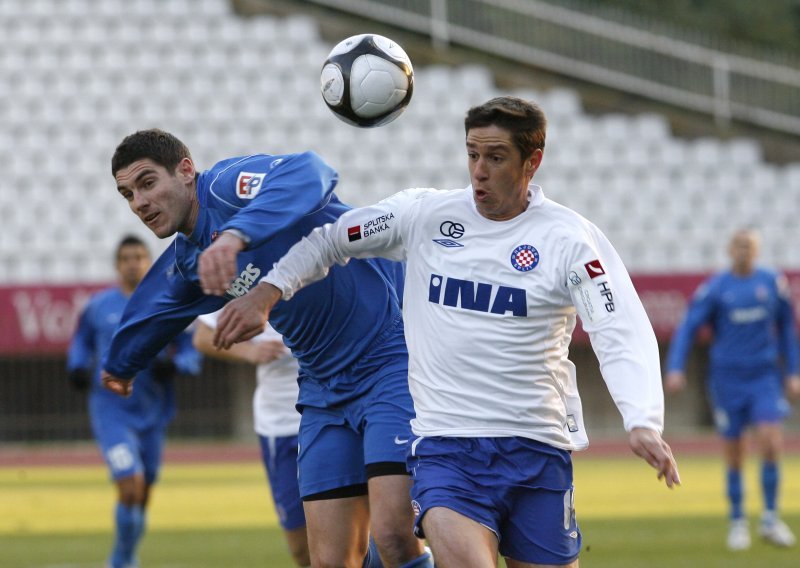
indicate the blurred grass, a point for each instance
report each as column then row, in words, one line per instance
column 220, row 515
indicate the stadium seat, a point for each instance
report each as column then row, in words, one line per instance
column 62, row 64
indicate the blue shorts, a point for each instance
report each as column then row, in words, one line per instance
column 741, row 398
column 339, row 440
column 279, row 455
column 519, row 489
column 129, row 451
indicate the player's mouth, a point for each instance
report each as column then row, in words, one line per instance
column 480, row 194
column 150, row 219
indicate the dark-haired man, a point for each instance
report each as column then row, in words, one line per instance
column 234, row 221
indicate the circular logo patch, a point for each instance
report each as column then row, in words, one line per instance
column 524, row 258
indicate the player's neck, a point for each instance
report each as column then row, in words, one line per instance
column 127, row 289
column 742, row 270
column 188, row 228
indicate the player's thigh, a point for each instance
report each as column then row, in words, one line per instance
column 119, row 445
column 458, row 541
column 541, row 528
column 338, row 530
column 768, row 403
column 330, row 455
column 386, row 412
column 279, row 455
column 151, row 449
column 390, row 497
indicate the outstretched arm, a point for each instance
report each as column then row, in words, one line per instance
column 252, row 352
column 160, row 308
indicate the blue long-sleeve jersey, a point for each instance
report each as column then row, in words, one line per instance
column 152, row 402
column 751, row 319
column 275, row 201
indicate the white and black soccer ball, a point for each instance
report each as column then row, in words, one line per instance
column 367, row 80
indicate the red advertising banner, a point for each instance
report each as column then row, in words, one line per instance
column 41, row 319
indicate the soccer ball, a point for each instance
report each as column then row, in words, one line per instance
column 367, row 80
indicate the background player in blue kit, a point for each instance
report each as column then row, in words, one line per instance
column 130, row 432
column 234, row 222
column 753, row 361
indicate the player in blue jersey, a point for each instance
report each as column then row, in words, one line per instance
column 237, row 219
column 753, row 362
column 130, row 432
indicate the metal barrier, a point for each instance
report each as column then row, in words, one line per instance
column 724, row 85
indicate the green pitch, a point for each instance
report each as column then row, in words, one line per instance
column 220, row 515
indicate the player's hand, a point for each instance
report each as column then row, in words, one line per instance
column 217, row 266
column 261, row 352
column 80, row 379
column 648, row 445
column 675, row 381
column 244, row 318
column 122, row 387
column 793, row 388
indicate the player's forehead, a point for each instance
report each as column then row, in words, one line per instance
column 745, row 239
column 487, row 138
column 132, row 252
column 130, row 174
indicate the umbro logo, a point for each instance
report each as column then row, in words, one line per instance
column 449, row 243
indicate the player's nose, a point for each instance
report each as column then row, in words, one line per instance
column 139, row 202
column 479, row 170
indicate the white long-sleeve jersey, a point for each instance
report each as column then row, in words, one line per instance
column 274, row 414
column 489, row 310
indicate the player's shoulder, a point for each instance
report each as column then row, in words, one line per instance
column 112, row 293
column 767, row 273
column 427, row 199
column 719, row 281
column 564, row 222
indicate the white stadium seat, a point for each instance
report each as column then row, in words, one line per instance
column 81, row 74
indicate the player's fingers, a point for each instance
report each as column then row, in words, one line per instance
column 212, row 273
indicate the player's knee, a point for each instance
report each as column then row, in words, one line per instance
column 299, row 552
column 396, row 543
column 301, row 557
column 336, row 557
column 131, row 490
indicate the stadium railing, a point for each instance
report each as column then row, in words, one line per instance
column 567, row 41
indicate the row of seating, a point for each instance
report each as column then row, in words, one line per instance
column 82, row 74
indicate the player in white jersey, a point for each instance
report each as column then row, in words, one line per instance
column 496, row 274
column 275, row 419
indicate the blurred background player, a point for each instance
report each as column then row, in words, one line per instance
column 232, row 223
column 753, row 362
column 130, row 431
column 276, row 420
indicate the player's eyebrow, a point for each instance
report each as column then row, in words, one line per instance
column 143, row 173
column 491, row 147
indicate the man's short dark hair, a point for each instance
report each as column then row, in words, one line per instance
column 157, row 145
column 524, row 120
column 130, row 241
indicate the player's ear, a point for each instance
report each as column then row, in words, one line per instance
column 533, row 162
column 186, row 170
